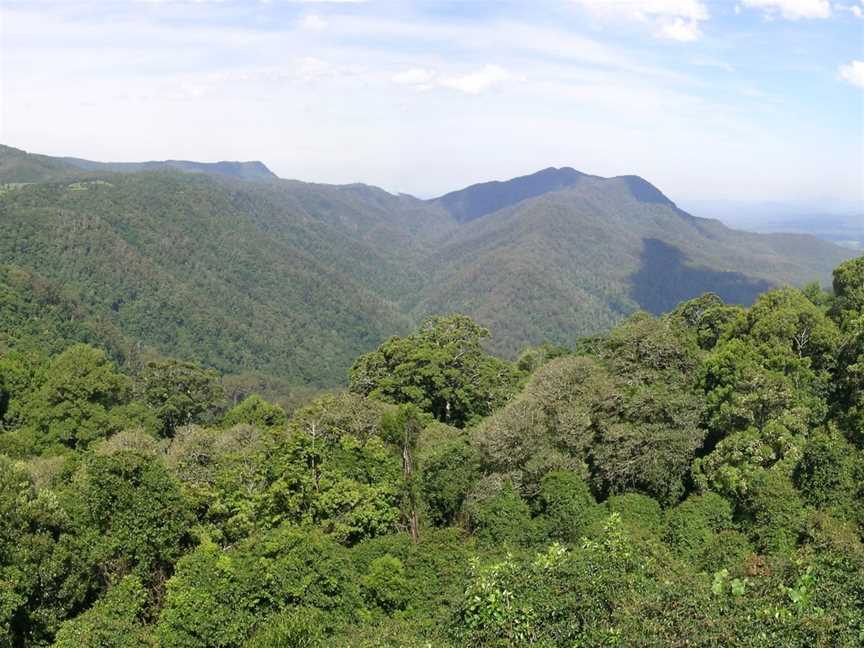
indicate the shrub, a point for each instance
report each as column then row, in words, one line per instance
column 774, row 512
column 565, row 505
column 638, row 512
column 385, row 585
column 291, row 628
column 691, row 525
column 503, row 519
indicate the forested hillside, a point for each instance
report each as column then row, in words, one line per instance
column 225, row 265
column 689, row 479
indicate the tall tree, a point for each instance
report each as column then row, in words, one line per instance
column 441, row 368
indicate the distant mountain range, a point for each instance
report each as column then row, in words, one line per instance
column 229, row 265
column 839, row 223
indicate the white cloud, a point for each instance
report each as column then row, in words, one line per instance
column 855, row 9
column 414, row 77
column 853, row 73
column 673, row 19
column 680, row 30
column 473, row 83
column 313, row 22
column 792, row 9
column 480, row 81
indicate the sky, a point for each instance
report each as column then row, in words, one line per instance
column 743, row 100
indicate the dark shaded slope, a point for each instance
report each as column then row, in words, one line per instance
column 665, row 279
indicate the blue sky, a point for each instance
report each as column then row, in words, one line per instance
column 748, row 100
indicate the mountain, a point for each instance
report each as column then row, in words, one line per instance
column 255, row 171
column 206, row 268
column 17, row 166
column 293, row 279
column 578, row 259
column 480, row 199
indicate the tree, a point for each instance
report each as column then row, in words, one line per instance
column 180, row 393
column 217, row 597
column 138, row 509
column 565, row 505
column 114, row 621
column 402, row 428
column 449, row 466
column 385, row 584
column 503, row 518
column 692, row 525
column 254, row 410
column 441, row 368
column 774, row 512
column 847, row 393
column 848, row 290
column 80, row 399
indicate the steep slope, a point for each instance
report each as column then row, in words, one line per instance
column 37, row 315
column 207, row 269
column 573, row 262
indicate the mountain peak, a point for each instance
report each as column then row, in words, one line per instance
column 484, row 198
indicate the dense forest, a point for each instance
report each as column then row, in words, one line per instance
column 689, row 479
column 272, row 281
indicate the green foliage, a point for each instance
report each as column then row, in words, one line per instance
column 565, row 506
column 848, row 384
column 384, row 584
column 533, row 358
column 254, row 410
column 180, row 393
column 297, row 627
column 334, row 469
column 80, row 400
column 449, row 467
column 830, row 476
column 721, row 443
column 441, row 368
column 731, row 466
column 560, row 597
column 774, row 511
column 692, row 525
column 503, row 519
column 726, row 549
column 638, row 512
column 139, row 512
column 629, row 421
column 216, row 597
column 849, row 290
column 115, row 621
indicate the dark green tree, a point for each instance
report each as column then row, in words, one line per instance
column 181, row 393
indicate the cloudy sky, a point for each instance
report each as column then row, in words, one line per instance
column 710, row 99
